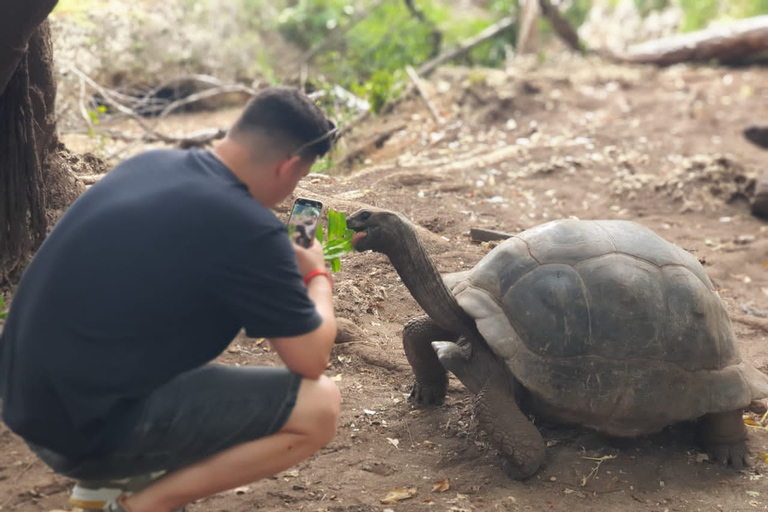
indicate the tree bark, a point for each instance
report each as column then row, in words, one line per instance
column 33, row 173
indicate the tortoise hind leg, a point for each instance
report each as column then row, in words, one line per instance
column 724, row 438
column 496, row 407
column 518, row 440
column 431, row 380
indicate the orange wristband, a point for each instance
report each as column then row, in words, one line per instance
column 315, row 273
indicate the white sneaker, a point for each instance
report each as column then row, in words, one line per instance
column 95, row 494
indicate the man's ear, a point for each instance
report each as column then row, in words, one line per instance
column 287, row 166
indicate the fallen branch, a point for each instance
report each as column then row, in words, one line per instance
column 561, row 25
column 115, row 100
column 734, row 41
column 488, row 33
column 760, row 323
column 424, row 95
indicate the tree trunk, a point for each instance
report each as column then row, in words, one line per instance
column 34, row 176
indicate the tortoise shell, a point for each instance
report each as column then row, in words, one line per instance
column 608, row 325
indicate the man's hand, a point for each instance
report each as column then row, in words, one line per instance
column 309, row 259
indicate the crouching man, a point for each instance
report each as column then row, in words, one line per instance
column 105, row 360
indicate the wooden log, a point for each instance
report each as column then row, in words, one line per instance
column 487, row 235
column 735, row 41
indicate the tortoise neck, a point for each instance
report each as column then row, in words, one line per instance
column 421, row 277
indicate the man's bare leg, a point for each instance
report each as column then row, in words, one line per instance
column 311, row 425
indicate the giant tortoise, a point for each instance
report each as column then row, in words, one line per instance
column 600, row 323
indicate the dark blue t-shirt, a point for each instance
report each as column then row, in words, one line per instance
column 150, row 273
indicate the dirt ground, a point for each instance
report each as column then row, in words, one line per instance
column 514, row 149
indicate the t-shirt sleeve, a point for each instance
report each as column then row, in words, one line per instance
column 262, row 287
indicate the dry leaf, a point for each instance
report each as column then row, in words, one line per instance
column 398, row 494
column 751, row 422
column 394, row 442
column 242, row 490
column 442, row 485
column 336, row 378
column 763, row 456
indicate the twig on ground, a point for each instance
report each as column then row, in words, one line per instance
column 595, row 469
column 423, row 93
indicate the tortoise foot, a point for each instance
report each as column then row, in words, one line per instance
column 724, row 438
column 428, row 393
column 735, row 455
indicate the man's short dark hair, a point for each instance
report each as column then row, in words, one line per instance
column 286, row 113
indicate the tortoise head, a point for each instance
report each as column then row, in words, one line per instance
column 377, row 230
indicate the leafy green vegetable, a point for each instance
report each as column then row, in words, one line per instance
column 337, row 241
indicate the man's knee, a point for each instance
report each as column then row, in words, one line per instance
column 317, row 409
column 329, row 409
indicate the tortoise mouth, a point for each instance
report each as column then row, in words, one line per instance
column 359, row 235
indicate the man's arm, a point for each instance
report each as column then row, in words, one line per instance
column 308, row 354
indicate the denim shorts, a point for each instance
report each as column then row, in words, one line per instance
column 195, row 415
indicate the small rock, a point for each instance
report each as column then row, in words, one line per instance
column 758, row 407
column 760, row 199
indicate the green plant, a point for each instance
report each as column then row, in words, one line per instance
column 747, row 8
column 698, row 13
column 3, row 312
column 645, row 7
column 337, row 241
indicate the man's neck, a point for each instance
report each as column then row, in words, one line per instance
column 238, row 160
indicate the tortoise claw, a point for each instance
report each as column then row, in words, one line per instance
column 735, row 455
column 428, row 394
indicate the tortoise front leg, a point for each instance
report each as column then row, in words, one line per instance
column 724, row 438
column 431, row 380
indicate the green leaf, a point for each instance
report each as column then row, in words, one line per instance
column 3, row 313
column 338, row 241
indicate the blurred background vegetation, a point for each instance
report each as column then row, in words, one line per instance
column 361, row 46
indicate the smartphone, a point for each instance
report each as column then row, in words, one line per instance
column 304, row 219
